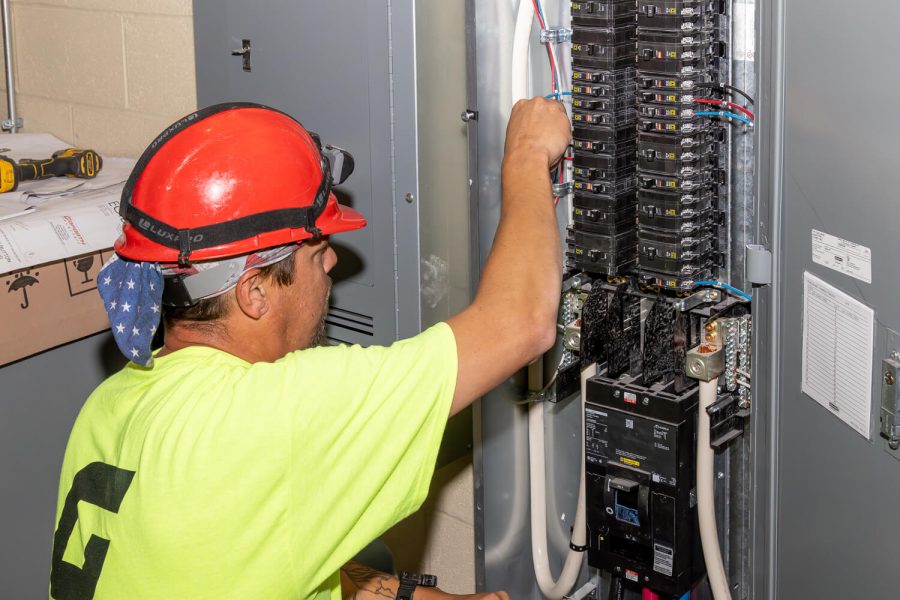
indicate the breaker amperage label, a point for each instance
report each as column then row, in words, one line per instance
column 632, row 441
column 842, row 256
column 663, row 559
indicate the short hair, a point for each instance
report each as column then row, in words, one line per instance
column 206, row 312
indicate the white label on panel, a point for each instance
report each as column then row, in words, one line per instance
column 842, row 256
column 838, row 338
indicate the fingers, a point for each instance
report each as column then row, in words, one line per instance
column 540, row 126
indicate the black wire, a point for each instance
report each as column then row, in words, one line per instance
column 739, row 91
column 616, row 588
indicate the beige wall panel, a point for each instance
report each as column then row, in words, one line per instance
column 115, row 132
column 455, row 498
column 70, row 55
column 451, row 554
column 157, row 7
column 42, row 115
column 159, row 65
column 39, row 2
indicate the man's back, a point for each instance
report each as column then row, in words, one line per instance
column 211, row 477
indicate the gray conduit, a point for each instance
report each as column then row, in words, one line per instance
column 12, row 123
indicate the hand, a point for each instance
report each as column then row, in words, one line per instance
column 538, row 127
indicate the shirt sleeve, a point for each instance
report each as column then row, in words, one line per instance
column 367, row 426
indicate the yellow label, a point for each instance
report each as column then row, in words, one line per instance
column 630, row 461
column 670, row 156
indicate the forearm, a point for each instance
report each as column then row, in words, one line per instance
column 359, row 582
column 512, row 319
column 524, row 269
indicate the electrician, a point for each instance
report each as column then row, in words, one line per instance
column 242, row 459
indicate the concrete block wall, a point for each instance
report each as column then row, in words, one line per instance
column 111, row 75
column 103, row 74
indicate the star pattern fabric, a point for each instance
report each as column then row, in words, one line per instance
column 132, row 296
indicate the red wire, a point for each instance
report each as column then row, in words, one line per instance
column 725, row 103
column 553, row 70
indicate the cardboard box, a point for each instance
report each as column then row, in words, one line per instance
column 50, row 305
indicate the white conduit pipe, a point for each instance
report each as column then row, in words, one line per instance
column 553, row 589
column 706, row 503
column 521, row 39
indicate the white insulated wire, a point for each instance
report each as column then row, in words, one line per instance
column 521, row 39
column 706, row 490
column 551, row 588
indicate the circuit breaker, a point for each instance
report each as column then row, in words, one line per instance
column 639, row 450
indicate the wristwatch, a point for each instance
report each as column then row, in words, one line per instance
column 409, row 582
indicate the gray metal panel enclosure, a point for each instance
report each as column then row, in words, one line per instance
column 346, row 69
column 837, row 510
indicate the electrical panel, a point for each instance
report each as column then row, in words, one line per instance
column 648, row 229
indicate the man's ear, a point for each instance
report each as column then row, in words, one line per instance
column 251, row 294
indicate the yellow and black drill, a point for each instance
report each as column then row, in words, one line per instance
column 71, row 162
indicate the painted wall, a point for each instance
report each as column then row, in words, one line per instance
column 110, row 75
column 105, row 74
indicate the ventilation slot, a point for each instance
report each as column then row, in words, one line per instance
column 353, row 323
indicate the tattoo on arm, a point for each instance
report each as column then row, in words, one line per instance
column 370, row 582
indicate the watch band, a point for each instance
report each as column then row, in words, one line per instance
column 410, row 581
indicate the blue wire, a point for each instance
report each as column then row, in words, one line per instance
column 551, row 96
column 730, row 115
column 725, row 286
column 687, row 596
column 540, row 11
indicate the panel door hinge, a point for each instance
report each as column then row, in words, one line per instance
column 758, row 265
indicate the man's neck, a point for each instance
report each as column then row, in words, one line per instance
column 179, row 337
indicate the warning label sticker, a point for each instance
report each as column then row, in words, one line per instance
column 842, row 256
column 663, row 559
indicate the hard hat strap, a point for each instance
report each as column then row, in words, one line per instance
column 218, row 234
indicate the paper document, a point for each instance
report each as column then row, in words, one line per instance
column 838, row 338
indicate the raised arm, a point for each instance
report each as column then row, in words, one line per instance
column 512, row 319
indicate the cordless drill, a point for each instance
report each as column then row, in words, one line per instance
column 71, row 162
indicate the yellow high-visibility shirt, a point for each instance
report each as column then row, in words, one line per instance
column 209, row 477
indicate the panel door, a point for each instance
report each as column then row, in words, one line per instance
column 837, row 509
column 329, row 65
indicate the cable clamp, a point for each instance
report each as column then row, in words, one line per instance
column 575, row 548
column 556, row 35
column 563, row 189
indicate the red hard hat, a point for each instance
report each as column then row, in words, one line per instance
column 229, row 180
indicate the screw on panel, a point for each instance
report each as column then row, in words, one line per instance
column 410, row 197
